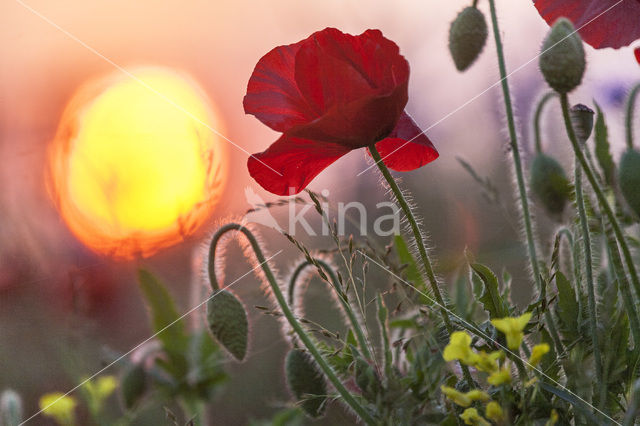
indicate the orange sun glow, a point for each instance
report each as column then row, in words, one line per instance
column 134, row 166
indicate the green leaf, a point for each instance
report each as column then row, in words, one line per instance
column 602, row 150
column 412, row 270
column 568, row 308
column 491, row 299
column 165, row 320
column 577, row 403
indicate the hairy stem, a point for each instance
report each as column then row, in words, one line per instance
column 419, row 239
column 602, row 199
column 629, row 117
column 515, row 150
column 348, row 398
column 588, row 266
column 536, row 119
column 342, row 296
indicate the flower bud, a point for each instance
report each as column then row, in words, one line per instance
column 582, row 121
column 133, row 385
column 549, row 183
column 10, row 408
column 629, row 178
column 562, row 59
column 467, row 36
column 306, row 382
column 228, row 323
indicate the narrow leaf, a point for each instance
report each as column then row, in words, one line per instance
column 603, row 149
column 491, row 299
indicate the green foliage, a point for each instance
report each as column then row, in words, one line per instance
column 603, row 149
column 306, row 382
column 629, row 178
column 491, row 298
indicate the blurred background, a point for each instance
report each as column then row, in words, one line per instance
column 60, row 303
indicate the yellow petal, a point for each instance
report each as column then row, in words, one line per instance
column 457, row 397
column 59, row 406
column 494, row 412
column 471, row 417
column 537, row 353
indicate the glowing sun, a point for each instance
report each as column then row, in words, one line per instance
column 135, row 166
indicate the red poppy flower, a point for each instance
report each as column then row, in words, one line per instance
column 637, row 53
column 329, row 94
column 601, row 23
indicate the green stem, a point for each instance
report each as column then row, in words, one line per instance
column 419, row 239
column 588, row 266
column 348, row 398
column 536, row 119
column 515, row 150
column 629, row 118
column 602, row 200
column 333, row 280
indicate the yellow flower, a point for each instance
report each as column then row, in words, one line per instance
column 494, row 412
column 512, row 329
column 457, row 397
column 500, row 377
column 464, row 399
column 553, row 418
column 459, row 348
column 99, row 390
column 471, row 417
column 59, row 406
column 537, row 353
column 487, row 362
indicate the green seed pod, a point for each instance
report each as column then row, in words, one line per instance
column 133, row 385
column 562, row 59
column 467, row 36
column 582, row 121
column 549, row 183
column 228, row 323
column 306, row 382
column 367, row 379
column 629, row 178
column 10, row 408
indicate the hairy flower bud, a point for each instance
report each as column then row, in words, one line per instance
column 367, row 379
column 133, row 385
column 467, row 36
column 562, row 59
column 549, row 183
column 10, row 408
column 228, row 323
column 629, row 178
column 582, row 121
column 306, row 382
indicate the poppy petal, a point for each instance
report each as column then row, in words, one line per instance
column 601, row 23
column 407, row 148
column 637, row 53
column 272, row 93
column 291, row 163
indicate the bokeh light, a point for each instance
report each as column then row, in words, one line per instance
column 135, row 166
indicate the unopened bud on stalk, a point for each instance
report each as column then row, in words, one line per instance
column 582, row 121
column 227, row 320
column 629, row 178
column 467, row 36
column 133, row 384
column 10, row 408
column 367, row 379
column 306, row 382
column 549, row 183
column 562, row 59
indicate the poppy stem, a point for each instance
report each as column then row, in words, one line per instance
column 348, row 398
column 517, row 162
column 342, row 297
column 602, row 200
column 629, row 115
column 419, row 239
column 536, row 119
column 588, row 266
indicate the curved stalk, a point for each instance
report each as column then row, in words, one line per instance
column 588, row 266
column 333, row 279
column 349, row 399
column 517, row 162
column 536, row 119
column 629, row 116
column 602, row 200
column 419, row 239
